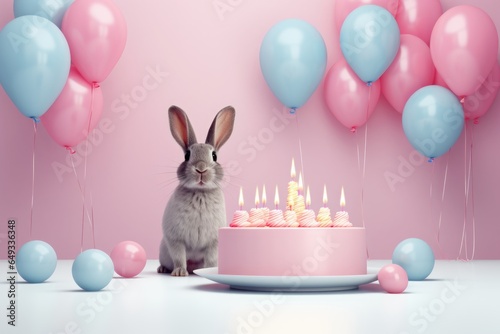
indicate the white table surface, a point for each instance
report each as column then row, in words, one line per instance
column 458, row 297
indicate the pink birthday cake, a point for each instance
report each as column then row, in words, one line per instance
column 292, row 245
column 292, row 251
column 296, row 242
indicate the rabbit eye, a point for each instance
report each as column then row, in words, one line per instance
column 214, row 156
column 187, row 155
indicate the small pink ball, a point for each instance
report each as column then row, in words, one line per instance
column 129, row 258
column 393, row 278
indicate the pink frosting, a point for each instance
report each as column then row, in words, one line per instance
column 266, row 213
column 240, row 219
column 256, row 215
column 341, row 219
column 276, row 219
column 307, row 219
column 258, row 223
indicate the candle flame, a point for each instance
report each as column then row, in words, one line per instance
column 301, row 185
column 276, row 197
column 240, row 200
column 342, row 198
column 264, row 196
column 257, row 201
column 292, row 170
column 325, row 197
column 308, row 197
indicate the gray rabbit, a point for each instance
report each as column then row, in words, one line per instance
column 196, row 210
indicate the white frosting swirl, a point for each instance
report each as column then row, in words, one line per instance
column 341, row 219
column 307, row 219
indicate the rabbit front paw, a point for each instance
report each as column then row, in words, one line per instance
column 179, row 271
column 162, row 270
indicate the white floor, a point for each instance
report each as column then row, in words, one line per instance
column 458, row 297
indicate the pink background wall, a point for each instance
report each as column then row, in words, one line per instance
column 204, row 61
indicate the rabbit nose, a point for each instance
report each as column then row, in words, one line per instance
column 201, row 171
column 201, row 167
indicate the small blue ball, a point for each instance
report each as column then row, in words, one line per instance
column 416, row 258
column 92, row 270
column 36, row 261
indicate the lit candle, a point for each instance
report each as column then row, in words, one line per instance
column 257, row 201
column 301, row 186
column 299, row 201
column 292, row 188
column 325, row 197
column 307, row 218
column 240, row 217
column 257, row 215
column 342, row 200
column 264, row 196
column 276, row 218
column 240, row 200
column 264, row 209
column 341, row 218
column 276, row 198
column 308, row 199
column 324, row 219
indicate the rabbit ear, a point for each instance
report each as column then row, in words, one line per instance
column 221, row 127
column 181, row 128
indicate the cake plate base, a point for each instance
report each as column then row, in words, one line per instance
column 290, row 283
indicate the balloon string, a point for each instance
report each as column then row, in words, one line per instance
column 94, row 86
column 84, row 209
column 35, row 127
column 433, row 170
column 442, row 205
column 465, row 191
column 363, row 170
column 364, row 177
column 81, row 192
column 471, row 180
column 364, row 158
column 470, row 191
column 463, row 242
column 300, row 146
column 93, row 225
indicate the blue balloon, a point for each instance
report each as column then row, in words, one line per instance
column 369, row 40
column 416, row 258
column 50, row 9
column 293, row 61
column 34, row 63
column 433, row 119
column 92, row 270
column 36, row 261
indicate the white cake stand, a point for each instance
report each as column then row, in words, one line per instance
column 289, row 283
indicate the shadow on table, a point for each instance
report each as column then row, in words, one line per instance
column 226, row 289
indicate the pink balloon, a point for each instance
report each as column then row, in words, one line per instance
column 478, row 103
column 464, row 47
column 393, row 278
column 438, row 80
column 345, row 7
column 417, row 17
column 129, row 258
column 349, row 99
column 411, row 70
column 67, row 120
column 96, row 33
